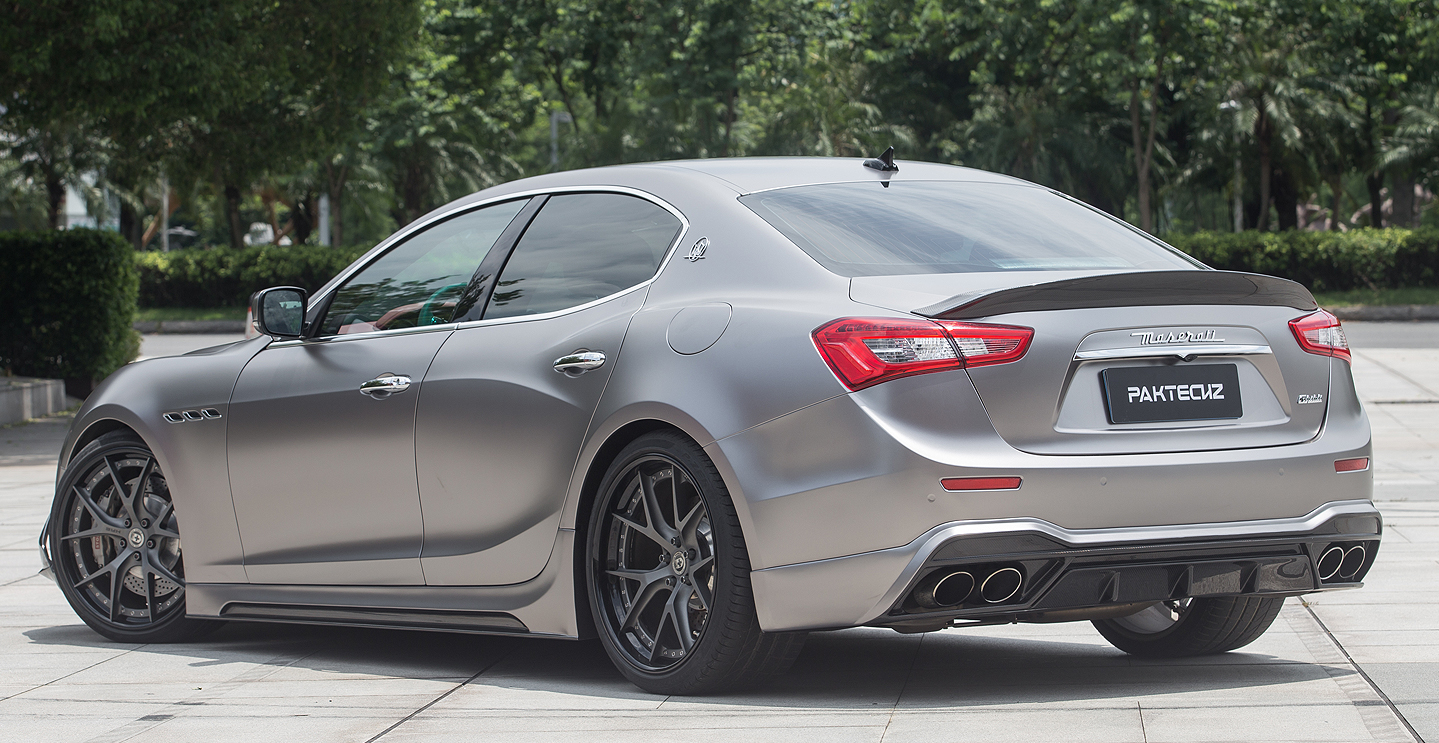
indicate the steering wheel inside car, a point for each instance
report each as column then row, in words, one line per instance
column 427, row 314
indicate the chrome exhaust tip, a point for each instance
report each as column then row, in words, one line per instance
column 1330, row 562
column 1352, row 562
column 950, row 590
column 1001, row 585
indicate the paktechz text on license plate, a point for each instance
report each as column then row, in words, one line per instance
column 1147, row 394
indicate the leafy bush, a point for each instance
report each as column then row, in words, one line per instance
column 68, row 303
column 1324, row 261
column 225, row 277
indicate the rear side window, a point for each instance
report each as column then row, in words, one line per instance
column 582, row 247
column 864, row 229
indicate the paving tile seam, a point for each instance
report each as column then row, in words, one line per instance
column 72, row 673
column 440, row 698
column 913, row 662
column 1387, row 723
column 171, row 711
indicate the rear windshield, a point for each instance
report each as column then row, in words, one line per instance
column 864, row 229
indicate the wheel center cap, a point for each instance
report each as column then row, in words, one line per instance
column 678, row 563
column 137, row 538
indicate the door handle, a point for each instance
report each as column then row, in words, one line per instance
column 385, row 385
column 579, row 362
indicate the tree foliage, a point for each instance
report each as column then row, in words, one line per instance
column 257, row 108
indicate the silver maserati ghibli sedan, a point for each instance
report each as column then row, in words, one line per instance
column 698, row 409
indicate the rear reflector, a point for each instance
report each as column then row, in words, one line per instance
column 1351, row 465
column 865, row 351
column 1320, row 333
column 980, row 483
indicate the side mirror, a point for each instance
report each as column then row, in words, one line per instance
column 279, row 311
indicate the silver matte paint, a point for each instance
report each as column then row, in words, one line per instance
column 323, row 477
column 497, row 437
column 503, row 445
column 847, row 591
column 1028, row 400
column 192, row 454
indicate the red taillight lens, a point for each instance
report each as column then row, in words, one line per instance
column 865, row 351
column 982, row 345
column 1321, row 333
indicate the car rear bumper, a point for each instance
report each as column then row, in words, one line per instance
column 1068, row 571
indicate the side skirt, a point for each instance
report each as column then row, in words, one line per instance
column 359, row 616
column 543, row 606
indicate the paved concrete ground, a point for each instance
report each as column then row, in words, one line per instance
column 1344, row 667
column 156, row 344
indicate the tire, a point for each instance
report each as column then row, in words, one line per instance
column 1178, row 629
column 668, row 575
column 124, row 579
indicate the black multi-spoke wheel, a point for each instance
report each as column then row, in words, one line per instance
column 1174, row 629
column 669, row 575
column 115, row 543
column 658, row 563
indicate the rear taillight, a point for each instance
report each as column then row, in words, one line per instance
column 1320, row 333
column 982, row 345
column 865, row 351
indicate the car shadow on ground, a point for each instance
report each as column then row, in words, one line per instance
column 857, row 669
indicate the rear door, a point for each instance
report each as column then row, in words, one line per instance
column 510, row 397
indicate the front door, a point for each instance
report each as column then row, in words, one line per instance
column 321, row 432
column 508, row 400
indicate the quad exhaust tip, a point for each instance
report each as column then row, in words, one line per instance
column 950, row 590
column 1341, row 562
column 1330, row 561
column 1001, row 585
column 955, row 588
column 1353, row 561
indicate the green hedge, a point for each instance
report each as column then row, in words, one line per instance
column 1324, row 261
column 225, row 277
column 68, row 303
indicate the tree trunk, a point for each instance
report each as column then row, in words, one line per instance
column 1266, row 165
column 232, row 214
column 335, row 177
column 1375, row 182
column 1286, row 200
column 1141, row 168
column 1401, row 190
column 302, row 214
column 415, row 191
column 130, row 225
column 1144, row 151
column 54, row 200
column 1336, row 184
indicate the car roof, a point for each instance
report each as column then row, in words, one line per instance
column 751, row 174
column 742, row 175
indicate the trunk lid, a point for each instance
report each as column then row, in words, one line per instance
column 1113, row 354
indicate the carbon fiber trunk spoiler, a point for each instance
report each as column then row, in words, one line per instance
column 1133, row 289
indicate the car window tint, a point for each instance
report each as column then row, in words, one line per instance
column 422, row 280
column 865, row 229
column 582, row 247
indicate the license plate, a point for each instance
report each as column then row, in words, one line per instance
column 1148, row 394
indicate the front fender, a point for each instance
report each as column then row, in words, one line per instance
column 191, row 453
